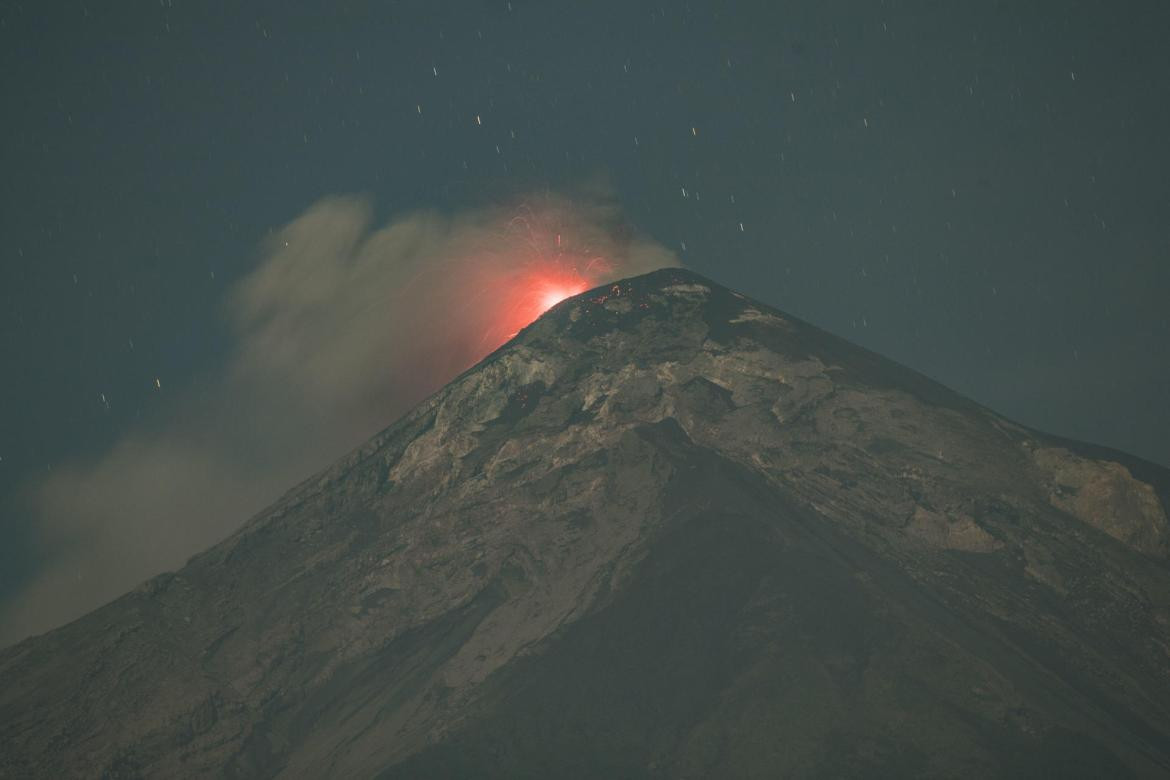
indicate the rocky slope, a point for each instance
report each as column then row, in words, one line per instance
column 666, row 531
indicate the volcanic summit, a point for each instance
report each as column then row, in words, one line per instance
column 666, row 531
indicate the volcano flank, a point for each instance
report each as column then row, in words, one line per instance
column 666, row 531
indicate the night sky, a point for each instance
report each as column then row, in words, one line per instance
column 980, row 191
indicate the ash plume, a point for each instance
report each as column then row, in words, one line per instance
column 341, row 327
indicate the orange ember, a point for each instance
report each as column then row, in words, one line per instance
column 537, row 288
column 535, row 262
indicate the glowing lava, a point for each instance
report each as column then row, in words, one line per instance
column 556, row 291
column 536, row 261
column 536, row 288
column 503, row 276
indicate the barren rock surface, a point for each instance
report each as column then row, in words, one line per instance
column 665, row 532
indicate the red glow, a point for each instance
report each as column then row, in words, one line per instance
column 532, row 265
column 498, row 277
column 555, row 292
column 536, row 288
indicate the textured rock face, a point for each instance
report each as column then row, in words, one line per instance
column 665, row 532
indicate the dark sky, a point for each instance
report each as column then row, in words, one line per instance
column 978, row 190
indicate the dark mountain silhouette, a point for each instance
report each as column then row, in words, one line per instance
column 665, row 532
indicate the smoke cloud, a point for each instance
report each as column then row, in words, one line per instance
column 341, row 328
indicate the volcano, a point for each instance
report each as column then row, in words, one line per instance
column 666, row 531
